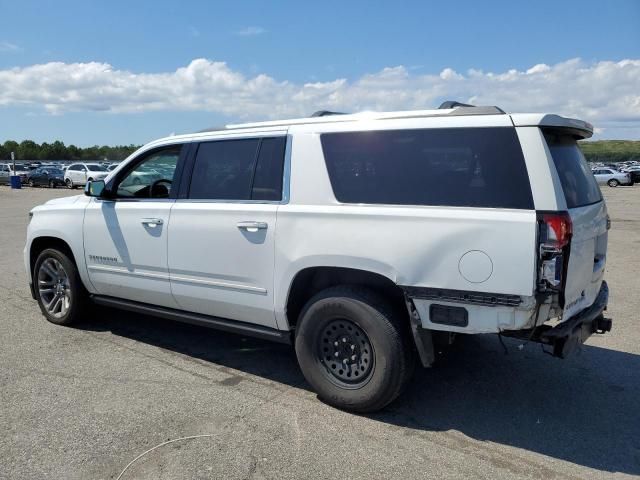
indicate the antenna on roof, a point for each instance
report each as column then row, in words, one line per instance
column 325, row 113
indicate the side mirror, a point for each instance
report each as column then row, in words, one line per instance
column 94, row 188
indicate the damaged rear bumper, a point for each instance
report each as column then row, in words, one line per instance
column 566, row 336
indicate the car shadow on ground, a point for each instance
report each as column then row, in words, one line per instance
column 584, row 410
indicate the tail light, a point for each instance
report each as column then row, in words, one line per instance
column 556, row 230
column 554, row 240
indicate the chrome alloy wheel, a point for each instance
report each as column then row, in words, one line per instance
column 54, row 288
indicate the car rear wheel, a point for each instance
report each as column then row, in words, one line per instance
column 354, row 348
column 613, row 182
column 31, row 183
column 69, row 183
column 61, row 296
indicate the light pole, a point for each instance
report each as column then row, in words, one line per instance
column 15, row 178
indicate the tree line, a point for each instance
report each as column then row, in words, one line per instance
column 598, row 151
column 30, row 150
column 611, row 151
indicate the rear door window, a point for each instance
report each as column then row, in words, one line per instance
column 243, row 169
column 578, row 183
column 460, row 167
column 223, row 170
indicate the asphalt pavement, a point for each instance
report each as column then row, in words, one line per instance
column 83, row 402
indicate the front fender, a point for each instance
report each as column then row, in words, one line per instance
column 63, row 221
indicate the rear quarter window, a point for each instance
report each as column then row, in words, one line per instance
column 460, row 167
column 578, row 183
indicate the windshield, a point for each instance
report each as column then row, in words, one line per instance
column 97, row 168
column 579, row 184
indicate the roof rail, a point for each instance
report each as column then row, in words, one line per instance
column 325, row 113
column 453, row 104
column 468, row 109
column 331, row 117
column 211, row 129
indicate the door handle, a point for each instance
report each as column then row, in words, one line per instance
column 152, row 222
column 252, row 226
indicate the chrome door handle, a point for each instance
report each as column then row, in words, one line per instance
column 252, row 226
column 152, row 222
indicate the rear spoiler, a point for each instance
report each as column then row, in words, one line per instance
column 578, row 128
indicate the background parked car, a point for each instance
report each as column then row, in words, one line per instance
column 79, row 173
column 50, row 176
column 634, row 172
column 611, row 177
column 6, row 171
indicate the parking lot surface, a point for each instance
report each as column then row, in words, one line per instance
column 83, row 402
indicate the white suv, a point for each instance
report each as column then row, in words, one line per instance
column 362, row 239
column 78, row 174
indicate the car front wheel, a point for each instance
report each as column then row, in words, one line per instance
column 68, row 183
column 61, row 296
column 354, row 348
column 613, row 182
column 31, row 183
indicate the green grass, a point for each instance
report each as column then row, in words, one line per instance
column 611, row 150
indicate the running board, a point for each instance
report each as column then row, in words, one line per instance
column 232, row 326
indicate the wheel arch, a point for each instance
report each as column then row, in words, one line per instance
column 40, row 244
column 312, row 279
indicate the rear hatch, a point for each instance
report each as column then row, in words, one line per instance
column 589, row 222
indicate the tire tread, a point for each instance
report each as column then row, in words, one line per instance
column 393, row 326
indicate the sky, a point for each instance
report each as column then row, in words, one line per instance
column 122, row 72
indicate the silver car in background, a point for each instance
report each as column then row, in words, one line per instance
column 611, row 177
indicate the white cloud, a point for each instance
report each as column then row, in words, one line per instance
column 450, row 74
column 9, row 47
column 251, row 31
column 539, row 68
column 605, row 93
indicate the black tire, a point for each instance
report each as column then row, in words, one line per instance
column 31, row 183
column 52, row 184
column 69, row 184
column 359, row 318
column 78, row 298
column 613, row 183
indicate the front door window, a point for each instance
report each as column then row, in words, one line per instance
column 151, row 178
